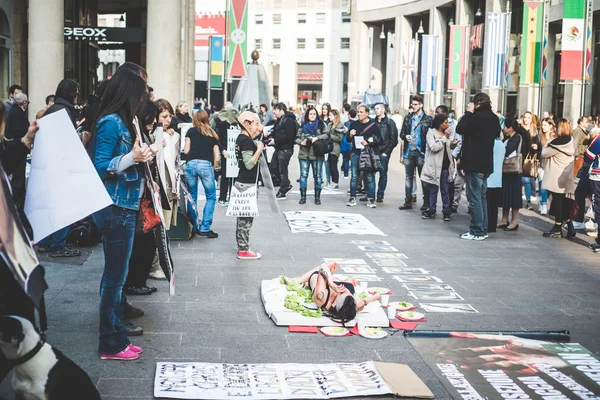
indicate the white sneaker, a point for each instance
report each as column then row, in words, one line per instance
column 593, row 234
column 591, row 225
column 371, row 203
column 578, row 225
column 544, row 209
column 469, row 236
column 345, row 177
column 590, row 213
column 334, row 186
column 351, row 202
column 159, row 275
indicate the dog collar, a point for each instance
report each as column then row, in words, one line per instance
column 29, row 355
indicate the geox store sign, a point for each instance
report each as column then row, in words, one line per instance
column 99, row 34
column 85, row 33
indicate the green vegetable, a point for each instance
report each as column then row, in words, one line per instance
column 363, row 295
column 282, row 279
column 295, row 301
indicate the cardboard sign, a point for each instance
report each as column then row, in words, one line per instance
column 232, row 164
column 243, row 204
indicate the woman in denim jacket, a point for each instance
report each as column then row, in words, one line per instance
column 118, row 154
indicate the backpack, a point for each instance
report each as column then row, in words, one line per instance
column 84, row 233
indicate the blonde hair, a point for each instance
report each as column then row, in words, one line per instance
column 564, row 128
column 336, row 117
column 182, row 102
column 202, row 123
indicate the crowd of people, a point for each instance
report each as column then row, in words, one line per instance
column 134, row 142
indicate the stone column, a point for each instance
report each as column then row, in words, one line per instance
column 359, row 65
column 46, row 52
column 404, row 33
column 163, row 55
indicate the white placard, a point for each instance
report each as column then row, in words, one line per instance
column 171, row 156
column 232, row 165
column 185, row 127
column 330, row 222
column 243, row 204
column 358, row 142
column 270, row 151
column 63, row 185
column 184, row 380
column 159, row 135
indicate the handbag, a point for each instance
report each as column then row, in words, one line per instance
column 147, row 216
column 514, row 165
column 323, row 146
column 531, row 166
column 573, row 209
column 369, row 160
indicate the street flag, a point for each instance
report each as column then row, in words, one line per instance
column 588, row 44
column 532, row 41
column 495, row 50
column 476, row 39
column 216, row 61
column 457, row 57
column 408, row 67
column 238, row 32
column 428, row 62
column 573, row 38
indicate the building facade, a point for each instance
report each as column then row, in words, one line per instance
column 304, row 46
column 378, row 59
column 45, row 41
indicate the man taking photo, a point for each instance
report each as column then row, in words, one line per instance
column 282, row 137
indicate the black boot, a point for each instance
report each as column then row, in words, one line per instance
column 318, row 197
column 555, row 232
column 302, row 196
column 570, row 230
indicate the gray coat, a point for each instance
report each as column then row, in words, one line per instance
column 434, row 157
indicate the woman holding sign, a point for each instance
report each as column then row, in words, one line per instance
column 247, row 152
column 202, row 154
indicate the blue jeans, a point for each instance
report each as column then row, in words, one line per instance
column 56, row 241
column 433, row 194
column 369, row 178
column 543, row 193
column 385, row 160
column 204, row 170
column 346, row 164
column 118, row 229
column 476, row 187
column 317, row 168
column 529, row 184
column 327, row 171
column 414, row 160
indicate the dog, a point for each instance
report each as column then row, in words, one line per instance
column 41, row 372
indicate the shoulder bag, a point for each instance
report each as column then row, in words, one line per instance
column 531, row 166
column 514, row 165
column 323, row 146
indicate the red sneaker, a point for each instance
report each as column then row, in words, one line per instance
column 136, row 349
column 248, row 255
column 125, row 355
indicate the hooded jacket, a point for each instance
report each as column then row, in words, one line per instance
column 479, row 130
column 222, row 122
column 558, row 161
column 284, row 131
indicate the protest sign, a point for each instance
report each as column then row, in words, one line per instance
column 63, row 185
column 232, row 164
column 330, row 222
column 485, row 366
column 285, row 381
column 243, row 204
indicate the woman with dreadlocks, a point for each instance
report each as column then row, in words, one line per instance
column 337, row 299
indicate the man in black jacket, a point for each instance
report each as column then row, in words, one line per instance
column 389, row 140
column 17, row 125
column 479, row 127
column 414, row 134
column 282, row 137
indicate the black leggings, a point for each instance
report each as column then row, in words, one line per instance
column 332, row 160
column 560, row 207
column 140, row 262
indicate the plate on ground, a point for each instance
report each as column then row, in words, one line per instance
column 373, row 333
column 402, row 305
column 380, row 290
column 411, row 315
column 334, row 331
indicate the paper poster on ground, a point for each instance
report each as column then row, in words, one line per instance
column 63, row 185
column 330, row 222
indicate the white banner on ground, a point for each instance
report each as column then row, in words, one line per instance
column 330, row 222
column 63, row 185
column 232, row 164
column 268, row 381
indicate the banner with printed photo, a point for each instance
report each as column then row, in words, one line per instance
column 330, row 222
column 279, row 381
column 484, row 366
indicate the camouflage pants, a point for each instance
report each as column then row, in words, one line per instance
column 243, row 224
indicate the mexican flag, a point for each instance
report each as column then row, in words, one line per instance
column 573, row 34
column 531, row 41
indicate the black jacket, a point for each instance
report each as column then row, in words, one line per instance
column 16, row 123
column 389, row 135
column 91, row 112
column 371, row 135
column 284, row 132
column 60, row 104
column 479, row 130
column 424, row 127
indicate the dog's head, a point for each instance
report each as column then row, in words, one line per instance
column 13, row 332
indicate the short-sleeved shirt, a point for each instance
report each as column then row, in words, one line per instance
column 245, row 143
column 201, row 147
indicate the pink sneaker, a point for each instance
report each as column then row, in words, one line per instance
column 248, row 255
column 125, row 355
column 136, row 349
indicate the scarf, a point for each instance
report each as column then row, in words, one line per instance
column 311, row 127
